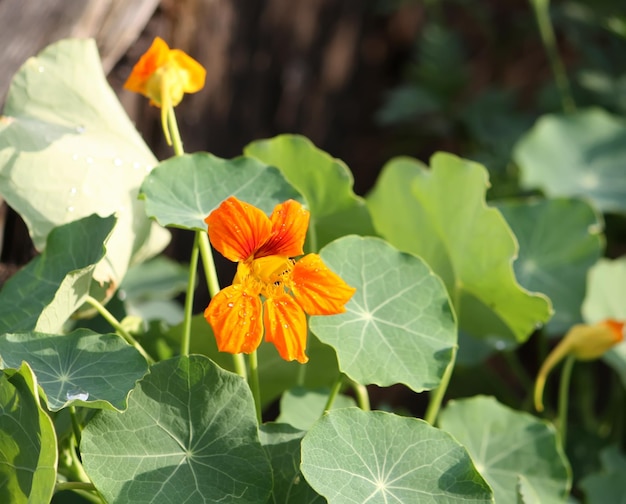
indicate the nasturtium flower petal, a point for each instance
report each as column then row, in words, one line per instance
column 192, row 73
column 236, row 317
column 153, row 59
column 285, row 327
column 290, row 221
column 317, row 289
column 237, row 229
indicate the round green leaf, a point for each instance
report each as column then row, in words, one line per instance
column 68, row 149
column 301, row 408
column 353, row 456
column 441, row 216
column 189, row 434
column 606, row 291
column 282, row 445
column 325, row 182
column 82, row 368
column 559, row 240
column 512, row 450
column 579, row 154
column 28, row 443
column 398, row 327
column 44, row 293
column 183, row 190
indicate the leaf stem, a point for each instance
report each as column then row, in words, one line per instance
column 546, row 30
column 253, row 381
column 362, row 396
column 172, row 126
column 108, row 316
column 75, row 425
column 73, row 485
column 208, row 264
column 437, row 396
column 191, row 287
column 566, row 375
column 334, row 392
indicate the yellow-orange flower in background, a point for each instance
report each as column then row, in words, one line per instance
column 264, row 248
column 164, row 75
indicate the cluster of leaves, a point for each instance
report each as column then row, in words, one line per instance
column 81, row 409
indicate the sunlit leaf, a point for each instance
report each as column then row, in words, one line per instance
column 441, row 215
column 68, row 149
column 189, row 434
column 579, row 154
column 352, row 456
column 398, row 327
column 82, row 368
column 325, row 182
column 47, row 290
column 559, row 240
column 28, row 443
column 301, row 408
column 182, row 191
column 510, row 448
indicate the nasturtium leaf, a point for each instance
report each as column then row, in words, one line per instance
column 398, row 327
column 54, row 284
column 606, row 292
column 354, row 456
column 183, row 190
column 82, row 368
column 189, row 434
column 441, row 216
column 158, row 279
column 301, row 407
column 28, row 443
column 579, row 154
column 282, row 445
column 511, row 449
column 68, row 149
column 609, row 484
column 559, row 240
column 325, row 182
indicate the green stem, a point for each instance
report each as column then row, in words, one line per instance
column 362, row 397
column 209, row 265
column 191, row 287
column 546, row 30
column 108, row 316
column 253, row 381
column 334, row 392
column 74, row 485
column 311, row 237
column 172, row 125
column 437, row 396
column 75, row 425
column 566, row 375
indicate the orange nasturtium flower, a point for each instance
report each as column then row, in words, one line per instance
column 164, row 75
column 264, row 248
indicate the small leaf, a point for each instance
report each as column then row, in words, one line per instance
column 54, row 284
column 82, row 368
column 160, row 278
column 559, row 240
column 189, row 434
column 183, row 190
column 282, row 445
column 28, row 443
column 68, row 150
column 579, row 154
column 353, row 456
column 398, row 327
column 301, row 408
column 509, row 449
column 325, row 182
column 441, row 216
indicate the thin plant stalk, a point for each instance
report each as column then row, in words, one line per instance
column 253, row 381
column 75, row 425
column 362, row 396
column 436, row 397
column 108, row 316
column 191, row 287
column 566, row 376
column 334, row 392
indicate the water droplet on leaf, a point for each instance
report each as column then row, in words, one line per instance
column 117, row 162
column 80, row 129
column 77, row 394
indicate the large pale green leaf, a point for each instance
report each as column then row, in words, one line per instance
column 182, row 191
column 325, row 182
column 512, row 450
column 353, row 456
column 68, row 149
column 282, row 444
column 28, row 443
column 606, row 292
column 441, row 215
column 189, row 434
column 609, row 484
column 398, row 327
column 82, row 368
column 301, row 408
column 579, row 154
column 47, row 290
column 559, row 240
